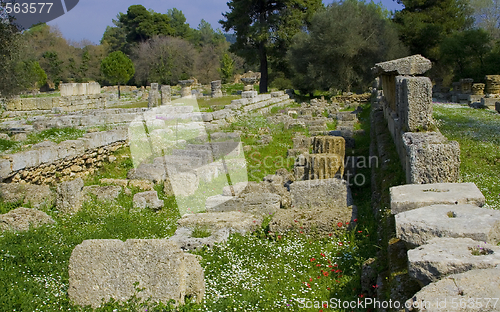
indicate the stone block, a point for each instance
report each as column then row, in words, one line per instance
column 213, row 201
column 463, row 288
column 412, row 196
column 205, row 155
column 248, row 94
column 254, row 203
column 183, row 183
column 411, row 65
column 277, row 94
column 323, row 166
column 328, row 193
column 35, row 195
column 347, row 116
column 329, row 145
column 488, row 102
column 23, row 219
column 70, row 149
column 112, row 269
column 311, row 221
column 419, row 226
column 27, row 159
column 69, row 196
column 414, row 102
column 147, row 200
column 155, row 172
column 445, row 256
column 5, row 168
column 431, row 158
column 102, row 193
column 218, row 225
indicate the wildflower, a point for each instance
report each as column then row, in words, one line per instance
column 339, row 224
column 312, row 259
column 355, row 220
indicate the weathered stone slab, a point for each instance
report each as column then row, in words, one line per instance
column 445, row 256
column 328, row 193
column 23, row 219
column 183, row 183
column 105, row 269
column 102, row 193
column 143, row 185
column 69, row 196
column 254, row 203
column 35, row 195
column 431, row 158
column 412, row 196
column 418, row 226
column 216, row 225
column 414, row 105
column 119, row 182
column 316, row 220
column 213, row 201
column 153, row 172
column 147, row 200
column 457, row 292
column 411, row 65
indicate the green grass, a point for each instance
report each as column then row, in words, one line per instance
column 477, row 132
column 257, row 272
column 56, row 135
column 206, row 104
column 42, row 95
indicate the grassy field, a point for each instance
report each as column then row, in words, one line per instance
column 257, row 272
column 478, row 132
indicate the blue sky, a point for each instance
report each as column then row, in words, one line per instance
column 89, row 18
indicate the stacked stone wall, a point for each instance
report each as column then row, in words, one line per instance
column 406, row 101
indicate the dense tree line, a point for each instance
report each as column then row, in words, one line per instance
column 293, row 43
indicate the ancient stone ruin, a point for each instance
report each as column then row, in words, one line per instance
column 216, row 87
column 426, row 155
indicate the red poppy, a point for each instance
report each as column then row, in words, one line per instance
column 339, row 224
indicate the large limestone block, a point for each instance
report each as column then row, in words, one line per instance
column 328, row 193
column 464, row 292
column 412, row 196
column 183, row 183
column 153, row 172
column 22, row 219
column 217, row 226
column 70, row 196
column 205, row 155
column 5, row 168
column 254, row 203
column 415, row 102
column 35, row 195
column 431, row 158
column 147, row 199
column 316, row 220
column 329, row 145
column 105, row 269
column 102, row 193
column 411, row 65
column 27, row 159
column 418, row 226
column 445, row 256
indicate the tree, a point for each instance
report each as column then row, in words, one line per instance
column 117, row 68
column 165, row 60
column 341, row 45
column 141, row 24
column 487, row 16
column 424, row 24
column 180, row 27
column 15, row 75
column 465, row 53
column 264, row 28
column 226, row 68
